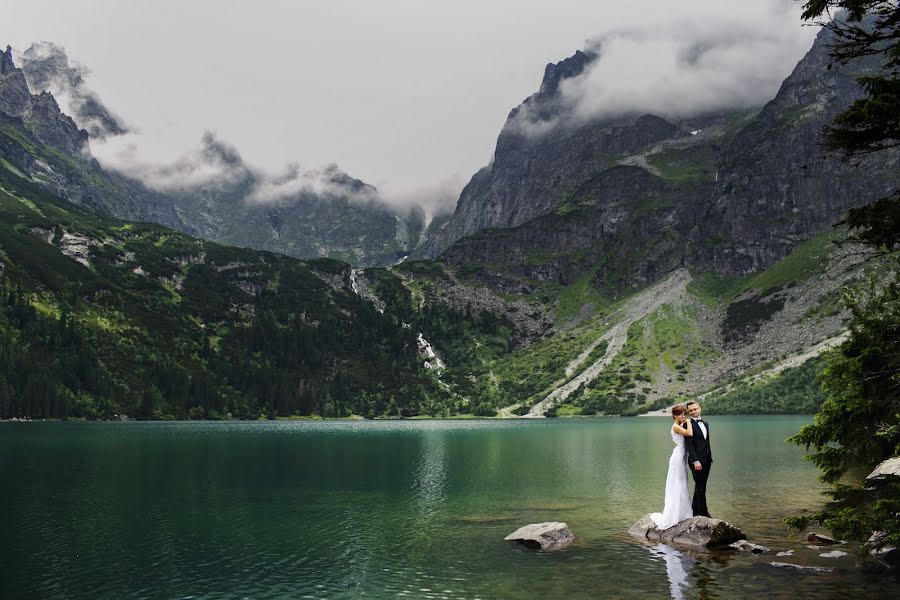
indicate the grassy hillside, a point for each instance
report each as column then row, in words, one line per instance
column 716, row 330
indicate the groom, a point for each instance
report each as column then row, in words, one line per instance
column 699, row 458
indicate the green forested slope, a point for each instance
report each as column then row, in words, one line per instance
column 143, row 321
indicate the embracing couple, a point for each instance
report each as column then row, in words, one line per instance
column 691, row 437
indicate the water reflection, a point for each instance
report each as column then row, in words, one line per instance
column 431, row 475
column 678, row 565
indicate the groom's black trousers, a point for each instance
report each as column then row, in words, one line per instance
column 700, row 477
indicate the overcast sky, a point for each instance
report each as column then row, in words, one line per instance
column 404, row 94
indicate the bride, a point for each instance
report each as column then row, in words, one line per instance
column 677, row 504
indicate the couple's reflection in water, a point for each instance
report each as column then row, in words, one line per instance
column 690, row 575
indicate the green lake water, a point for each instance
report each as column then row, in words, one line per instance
column 415, row 509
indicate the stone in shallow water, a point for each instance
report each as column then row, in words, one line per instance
column 696, row 531
column 833, row 554
column 551, row 535
column 745, row 546
column 802, row 568
column 817, row 539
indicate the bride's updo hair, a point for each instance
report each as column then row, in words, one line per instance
column 678, row 409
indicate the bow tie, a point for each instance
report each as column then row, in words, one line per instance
column 699, row 420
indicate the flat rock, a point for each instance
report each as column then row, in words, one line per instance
column 887, row 467
column 551, row 535
column 833, row 554
column 745, row 546
column 696, row 531
column 802, row 568
column 818, row 539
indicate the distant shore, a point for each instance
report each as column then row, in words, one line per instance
column 655, row 413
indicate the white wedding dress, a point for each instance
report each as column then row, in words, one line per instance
column 677, row 503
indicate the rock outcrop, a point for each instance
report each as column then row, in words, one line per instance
column 697, row 532
column 551, row 535
column 887, row 468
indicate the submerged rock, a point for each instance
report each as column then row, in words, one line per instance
column 872, row 566
column 817, row 539
column 745, row 546
column 887, row 553
column 802, row 568
column 696, row 531
column 551, row 535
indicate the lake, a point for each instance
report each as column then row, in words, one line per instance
column 416, row 509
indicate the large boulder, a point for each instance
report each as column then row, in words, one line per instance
column 889, row 467
column 817, row 539
column 545, row 536
column 699, row 532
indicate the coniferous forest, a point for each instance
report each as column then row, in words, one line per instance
column 149, row 323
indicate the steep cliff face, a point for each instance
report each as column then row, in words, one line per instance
column 40, row 114
column 627, row 224
column 730, row 192
column 536, row 167
column 776, row 185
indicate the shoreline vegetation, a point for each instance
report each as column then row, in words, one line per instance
column 465, row 417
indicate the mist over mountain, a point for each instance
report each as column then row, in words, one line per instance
column 725, row 189
column 93, row 159
column 678, row 69
column 47, row 68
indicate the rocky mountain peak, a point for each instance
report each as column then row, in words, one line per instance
column 47, row 68
column 567, row 68
column 15, row 99
column 6, row 61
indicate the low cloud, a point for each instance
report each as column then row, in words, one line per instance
column 212, row 163
column 678, row 68
column 218, row 165
column 435, row 199
column 327, row 181
column 47, row 68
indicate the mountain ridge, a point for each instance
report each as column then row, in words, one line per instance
column 305, row 214
column 733, row 168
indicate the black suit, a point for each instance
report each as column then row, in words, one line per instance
column 699, row 451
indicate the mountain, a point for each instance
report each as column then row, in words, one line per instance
column 607, row 267
column 642, row 195
column 101, row 317
column 213, row 194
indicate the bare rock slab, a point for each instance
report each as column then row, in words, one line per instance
column 802, row 568
column 699, row 532
column 889, row 467
column 817, row 539
column 551, row 535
